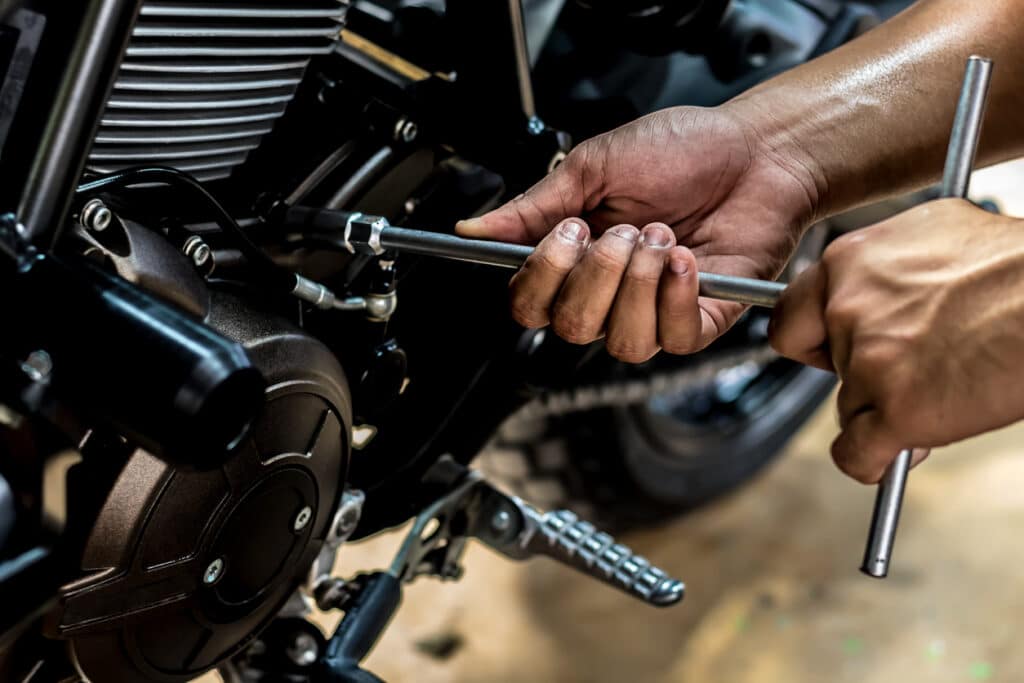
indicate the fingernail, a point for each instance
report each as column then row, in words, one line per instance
column 572, row 231
column 626, row 232
column 656, row 238
column 679, row 265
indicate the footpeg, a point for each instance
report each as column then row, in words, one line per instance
column 572, row 541
column 473, row 508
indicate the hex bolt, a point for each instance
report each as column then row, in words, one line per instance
column 38, row 365
column 198, row 250
column 214, row 571
column 201, row 255
column 95, row 216
column 302, row 518
column 406, row 130
column 501, row 520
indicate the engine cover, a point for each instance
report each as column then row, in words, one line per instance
column 183, row 567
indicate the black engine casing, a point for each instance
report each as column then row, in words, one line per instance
column 142, row 610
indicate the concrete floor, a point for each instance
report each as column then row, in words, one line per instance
column 773, row 591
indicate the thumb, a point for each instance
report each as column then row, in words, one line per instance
column 866, row 447
column 530, row 216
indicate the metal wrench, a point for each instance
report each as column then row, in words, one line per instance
column 956, row 178
column 373, row 234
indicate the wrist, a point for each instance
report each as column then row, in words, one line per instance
column 779, row 156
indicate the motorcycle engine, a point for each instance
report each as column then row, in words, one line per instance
column 181, row 568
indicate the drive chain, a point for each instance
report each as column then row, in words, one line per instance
column 639, row 390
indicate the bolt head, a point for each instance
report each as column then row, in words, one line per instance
column 96, row 216
column 535, row 126
column 201, row 255
column 214, row 571
column 501, row 521
column 302, row 518
column 406, row 130
column 37, row 366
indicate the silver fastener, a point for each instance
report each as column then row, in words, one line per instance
column 198, row 250
column 213, row 572
column 302, row 518
column 535, row 126
column 95, row 216
column 406, row 130
column 37, row 366
column 303, row 650
column 501, row 520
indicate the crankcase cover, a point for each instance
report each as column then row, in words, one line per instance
column 184, row 567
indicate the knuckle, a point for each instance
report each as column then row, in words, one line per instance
column 629, row 350
column 876, row 361
column 644, row 277
column 854, row 468
column 558, row 260
column 838, row 249
column 680, row 345
column 573, row 326
column 841, row 312
column 609, row 259
column 528, row 312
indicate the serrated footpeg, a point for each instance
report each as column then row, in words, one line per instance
column 473, row 508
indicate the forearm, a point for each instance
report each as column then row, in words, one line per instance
column 873, row 118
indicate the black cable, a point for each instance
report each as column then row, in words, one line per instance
column 279, row 277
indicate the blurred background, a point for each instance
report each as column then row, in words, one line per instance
column 773, row 590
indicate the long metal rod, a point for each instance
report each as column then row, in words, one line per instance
column 963, row 148
column 74, row 118
column 963, row 142
column 724, row 287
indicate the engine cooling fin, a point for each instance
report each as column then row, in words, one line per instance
column 202, row 82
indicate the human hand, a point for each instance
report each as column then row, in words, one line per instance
column 624, row 222
column 922, row 317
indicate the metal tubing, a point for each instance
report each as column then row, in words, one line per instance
column 725, row 287
column 963, row 147
column 523, row 75
column 742, row 290
column 74, row 118
column 970, row 114
column 886, row 517
column 452, row 247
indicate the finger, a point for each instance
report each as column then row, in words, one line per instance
column 920, row 455
column 851, row 401
column 530, row 216
column 534, row 288
column 680, row 319
column 866, row 447
column 633, row 324
column 797, row 329
column 583, row 305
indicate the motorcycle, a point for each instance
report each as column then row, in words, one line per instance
column 208, row 384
